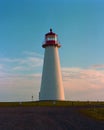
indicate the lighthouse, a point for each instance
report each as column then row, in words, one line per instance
column 51, row 83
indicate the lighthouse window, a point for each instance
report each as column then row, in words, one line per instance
column 51, row 38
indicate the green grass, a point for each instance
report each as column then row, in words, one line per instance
column 51, row 103
column 95, row 113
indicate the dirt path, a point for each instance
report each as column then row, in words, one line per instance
column 46, row 118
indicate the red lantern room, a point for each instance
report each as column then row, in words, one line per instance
column 51, row 40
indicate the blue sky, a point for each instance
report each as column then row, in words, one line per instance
column 80, row 28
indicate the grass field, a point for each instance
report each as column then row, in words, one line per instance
column 91, row 109
column 52, row 103
column 96, row 113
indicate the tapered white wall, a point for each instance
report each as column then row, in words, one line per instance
column 51, row 84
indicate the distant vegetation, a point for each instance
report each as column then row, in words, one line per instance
column 53, row 103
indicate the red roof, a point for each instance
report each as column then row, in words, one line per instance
column 50, row 33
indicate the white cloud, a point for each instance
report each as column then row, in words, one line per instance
column 98, row 66
column 1, row 66
column 28, row 62
column 33, row 54
column 83, row 84
column 19, row 68
column 19, row 77
column 19, row 87
column 10, row 60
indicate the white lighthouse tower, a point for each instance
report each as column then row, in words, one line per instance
column 51, row 84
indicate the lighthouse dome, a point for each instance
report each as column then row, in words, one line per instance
column 51, row 39
column 50, row 33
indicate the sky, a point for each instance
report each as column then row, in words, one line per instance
column 80, row 28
